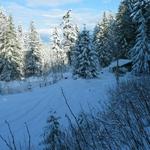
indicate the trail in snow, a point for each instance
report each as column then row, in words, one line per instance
column 34, row 107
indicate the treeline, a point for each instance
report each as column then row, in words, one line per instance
column 123, row 35
column 22, row 54
column 19, row 57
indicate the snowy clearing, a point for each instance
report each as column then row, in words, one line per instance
column 34, row 107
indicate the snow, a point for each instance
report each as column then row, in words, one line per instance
column 121, row 62
column 26, row 85
column 33, row 107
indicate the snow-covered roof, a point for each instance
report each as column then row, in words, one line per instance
column 121, row 63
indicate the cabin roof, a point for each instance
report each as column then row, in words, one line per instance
column 121, row 63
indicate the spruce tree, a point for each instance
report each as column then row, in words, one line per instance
column 147, row 16
column 70, row 33
column 33, row 56
column 112, row 41
column 10, row 56
column 52, row 138
column 140, row 53
column 125, row 29
column 100, row 41
column 58, row 53
column 20, row 36
column 3, row 23
column 85, row 57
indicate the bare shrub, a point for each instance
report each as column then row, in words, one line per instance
column 123, row 125
column 11, row 142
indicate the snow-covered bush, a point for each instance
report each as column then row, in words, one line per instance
column 53, row 136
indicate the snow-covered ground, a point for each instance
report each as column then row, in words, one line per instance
column 27, row 84
column 33, row 107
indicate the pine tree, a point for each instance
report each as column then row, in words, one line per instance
column 33, row 56
column 70, row 33
column 147, row 15
column 3, row 22
column 125, row 29
column 100, row 40
column 140, row 53
column 112, row 41
column 58, row 53
column 10, row 56
column 20, row 36
column 85, row 57
column 52, row 138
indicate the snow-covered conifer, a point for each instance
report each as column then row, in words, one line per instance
column 140, row 53
column 3, row 22
column 10, row 56
column 20, row 36
column 70, row 33
column 125, row 28
column 57, row 48
column 52, row 138
column 85, row 57
column 100, row 41
column 58, row 53
column 33, row 56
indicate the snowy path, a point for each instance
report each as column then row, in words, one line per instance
column 33, row 107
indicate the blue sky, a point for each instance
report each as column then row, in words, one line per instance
column 48, row 13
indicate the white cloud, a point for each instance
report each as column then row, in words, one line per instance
column 50, row 2
column 79, row 16
column 46, row 20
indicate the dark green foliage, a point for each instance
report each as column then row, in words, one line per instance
column 101, row 40
column 33, row 56
column 53, row 136
column 10, row 54
column 126, row 29
column 85, row 57
column 140, row 53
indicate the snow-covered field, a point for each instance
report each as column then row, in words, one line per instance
column 33, row 107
